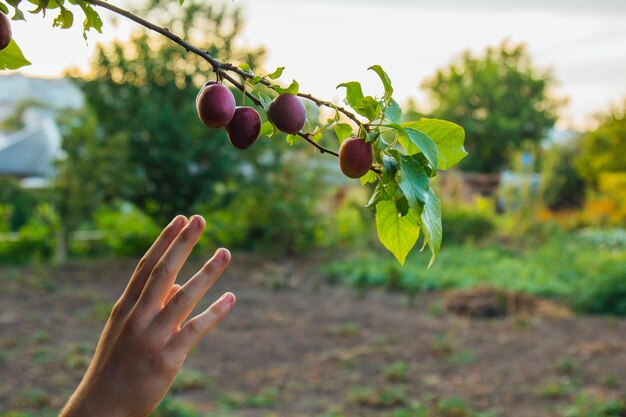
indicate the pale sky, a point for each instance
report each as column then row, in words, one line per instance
column 325, row 42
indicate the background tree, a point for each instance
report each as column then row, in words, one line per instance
column 500, row 99
column 561, row 184
column 604, row 149
column 144, row 90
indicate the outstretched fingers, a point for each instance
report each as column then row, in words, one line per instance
column 183, row 302
column 165, row 271
column 199, row 326
column 150, row 259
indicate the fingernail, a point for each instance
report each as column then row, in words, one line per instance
column 222, row 255
column 197, row 221
column 228, row 299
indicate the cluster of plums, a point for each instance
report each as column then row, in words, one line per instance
column 216, row 108
column 5, row 31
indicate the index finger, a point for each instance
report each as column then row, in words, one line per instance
column 149, row 260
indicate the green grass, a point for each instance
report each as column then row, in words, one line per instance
column 590, row 276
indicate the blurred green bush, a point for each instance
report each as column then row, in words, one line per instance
column 125, row 229
column 462, row 223
column 588, row 276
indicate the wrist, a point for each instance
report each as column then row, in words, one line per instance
column 85, row 402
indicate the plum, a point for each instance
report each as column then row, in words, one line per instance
column 215, row 105
column 288, row 114
column 355, row 157
column 244, row 128
column 208, row 83
column 5, row 31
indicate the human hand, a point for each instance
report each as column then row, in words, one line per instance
column 144, row 344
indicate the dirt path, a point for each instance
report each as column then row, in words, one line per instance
column 311, row 348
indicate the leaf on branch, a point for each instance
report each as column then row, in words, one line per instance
column 393, row 113
column 42, row 5
column 64, row 20
column 317, row 136
column 397, row 234
column 382, row 192
column 264, row 98
column 12, row 58
column 4, row 8
column 276, row 74
column 18, row 15
column 267, row 129
column 415, row 141
column 293, row 88
column 414, row 182
column 291, row 139
column 369, row 108
column 354, row 93
column 448, row 137
column 92, row 19
column 245, row 67
column 425, row 144
column 366, row 106
column 386, row 81
column 430, row 220
column 343, row 131
column 369, row 177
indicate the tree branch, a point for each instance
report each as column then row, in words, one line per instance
column 222, row 69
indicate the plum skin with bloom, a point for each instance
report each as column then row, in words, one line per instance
column 355, row 157
column 215, row 105
column 5, row 31
column 287, row 113
column 244, row 128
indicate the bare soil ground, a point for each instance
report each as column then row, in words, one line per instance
column 297, row 346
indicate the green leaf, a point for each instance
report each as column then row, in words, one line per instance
column 64, row 20
column 4, row 8
column 368, row 107
column 317, row 136
column 414, row 182
column 448, row 137
column 276, row 74
column 12, row 58
column 92, row 19
column 245, row 67
column 425, row 144
column 18, row 15
column 267, row 129
column 343, row 131
column 354, row 93
column 255, row 80
column 264, row 98
column 390, row 168
column 402, row 205
column 382, row 192
column 397, row 234
column 42, row 5
column 386, row 81
column 393, row 112
column 430, row 220
column 291, row 139
column 416, row 142
column 369, row 177
column 292, row 89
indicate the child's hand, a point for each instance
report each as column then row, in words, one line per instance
column 143, row 345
